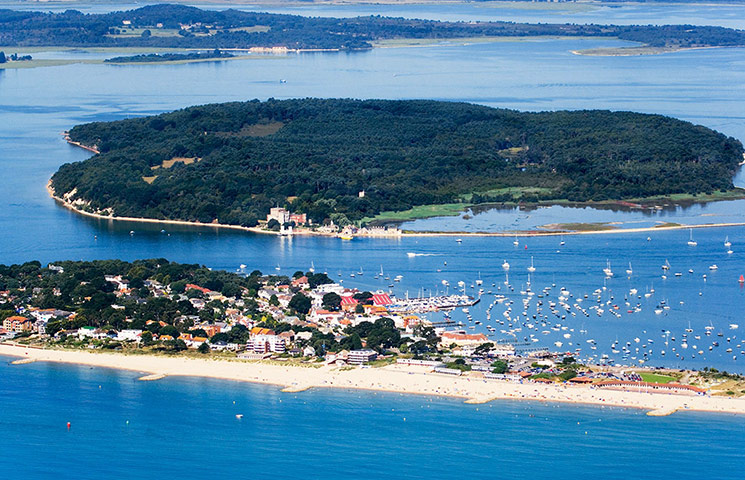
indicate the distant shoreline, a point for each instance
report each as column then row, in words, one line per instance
column 393, row 378
column 641, row 50
column 72, row 207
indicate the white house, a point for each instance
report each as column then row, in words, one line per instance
column 264, row 340
column 129, row 335
column 309, row 351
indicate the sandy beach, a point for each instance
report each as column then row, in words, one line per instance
column 393, row 378
column 557, row 233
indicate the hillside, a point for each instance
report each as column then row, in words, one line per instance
column 178, row 26
column 231, row 162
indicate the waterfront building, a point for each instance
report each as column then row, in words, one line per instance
column 18, row 324
column 361, row 357
column 129, row 335
column 264, row 340
column 281, row 215
column 309, row 351
column 298, row 218
column 462, row 339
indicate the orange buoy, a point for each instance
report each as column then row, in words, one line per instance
column 742, row 278
column 68, row 425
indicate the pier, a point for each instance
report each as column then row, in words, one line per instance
column 432, row 304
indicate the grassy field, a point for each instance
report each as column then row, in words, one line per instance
column 734, row 194
column 137, row 32
column 516, row 192
column 126, row 32
column 42, row 63
column 627, row 51
column 169, row 163
column 422, row 211
column 667, row 224
column 656, row 378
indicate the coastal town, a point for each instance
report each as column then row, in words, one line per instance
column 303, row 320
column 369, row 239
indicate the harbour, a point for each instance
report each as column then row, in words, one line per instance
column 668, row 303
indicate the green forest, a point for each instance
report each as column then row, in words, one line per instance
column 178, row 26
column 232, row 162
column 81, row 287
column 170, row 57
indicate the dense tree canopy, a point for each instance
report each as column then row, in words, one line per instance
column 232, row 162
column 188, row 27
column 81, row 287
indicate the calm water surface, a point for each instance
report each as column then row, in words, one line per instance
column 187, row 427
column 122, row 428
column 732, row 16
column 36, row 105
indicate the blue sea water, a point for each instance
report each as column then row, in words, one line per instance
column 186, row 428
column 730, row 15
column 36, row 105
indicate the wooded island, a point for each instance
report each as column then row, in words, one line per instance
column 346, row 160
column 178, row 26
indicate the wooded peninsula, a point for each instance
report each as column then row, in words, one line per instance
column 171, row 57
column 346, row 160
column 178, row 26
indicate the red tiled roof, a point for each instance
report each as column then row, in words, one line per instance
column 464, row 336
column 191, row 286
column 381, row 299
column 261, row 331
column 580, row 380
column 629, row 383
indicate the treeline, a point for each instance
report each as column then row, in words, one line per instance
column 13, row 57
column 170, row 57
column 317, row 156
column 81, row 288
column 231, row 29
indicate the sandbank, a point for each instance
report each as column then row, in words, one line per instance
column 641, row 50
column 393, row 378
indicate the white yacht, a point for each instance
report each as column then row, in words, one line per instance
column 531, row 268
column 691, row 241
